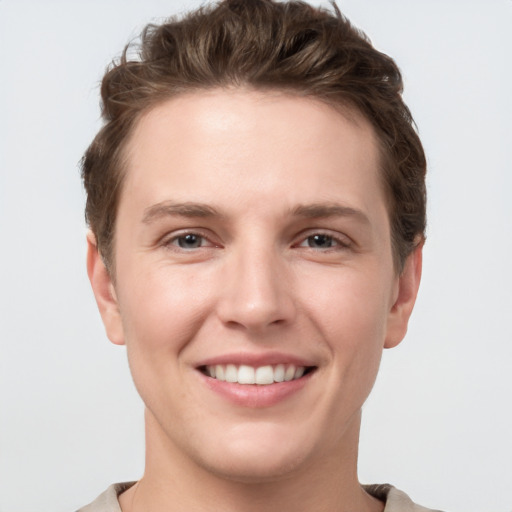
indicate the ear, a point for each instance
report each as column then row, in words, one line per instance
column 405, row 297
column 104, row 292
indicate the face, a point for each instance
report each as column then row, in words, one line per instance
column 255, row 287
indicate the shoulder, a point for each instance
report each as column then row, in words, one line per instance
column 395, row 500
column 107, row 501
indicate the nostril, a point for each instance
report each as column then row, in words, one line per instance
column 253, row 300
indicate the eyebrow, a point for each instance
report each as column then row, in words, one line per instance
column 201, row 210
column 170, row 208
column 326, row 210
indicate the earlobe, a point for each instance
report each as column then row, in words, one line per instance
column 104, row 292
column 408, row 285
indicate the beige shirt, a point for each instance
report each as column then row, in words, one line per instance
column 396, row 501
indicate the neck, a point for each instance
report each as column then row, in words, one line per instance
column 172, row 481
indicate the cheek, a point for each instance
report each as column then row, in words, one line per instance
column 351, row 310
column 162, row 309
column 350, row 304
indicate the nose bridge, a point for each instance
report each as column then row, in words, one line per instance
column 255, row 292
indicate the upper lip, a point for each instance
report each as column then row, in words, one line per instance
column 256, row 359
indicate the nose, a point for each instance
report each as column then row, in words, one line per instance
column 255, row 290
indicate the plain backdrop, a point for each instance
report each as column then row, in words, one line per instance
column 439, row 422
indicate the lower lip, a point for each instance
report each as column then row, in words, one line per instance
column 254, row 395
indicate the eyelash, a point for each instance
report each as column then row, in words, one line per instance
column 340, row 242
column 173, row 242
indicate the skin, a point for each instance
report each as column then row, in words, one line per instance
column 270, row 171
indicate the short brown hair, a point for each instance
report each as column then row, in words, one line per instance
column 264, row 45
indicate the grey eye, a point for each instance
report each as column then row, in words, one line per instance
column 320, row 241
column 189, row 241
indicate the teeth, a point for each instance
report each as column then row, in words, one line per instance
column 219, row 372
column 289, row 373
column 279, row 373
column 231, row 373
column 246, row 375
column 263, row 375
column 299, row 372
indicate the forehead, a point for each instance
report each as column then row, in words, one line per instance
column 251, row 137
column 234, row 113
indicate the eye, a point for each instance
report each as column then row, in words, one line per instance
column 320, row 241
column 188, row 241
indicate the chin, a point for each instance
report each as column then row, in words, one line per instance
column 264, row 455
column 256, row 469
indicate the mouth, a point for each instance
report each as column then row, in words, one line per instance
column 260, row 375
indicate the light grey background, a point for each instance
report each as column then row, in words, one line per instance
column 439, row 423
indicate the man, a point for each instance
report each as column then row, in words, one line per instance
column 256, row 201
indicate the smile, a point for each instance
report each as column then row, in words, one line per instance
column 261, row 375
